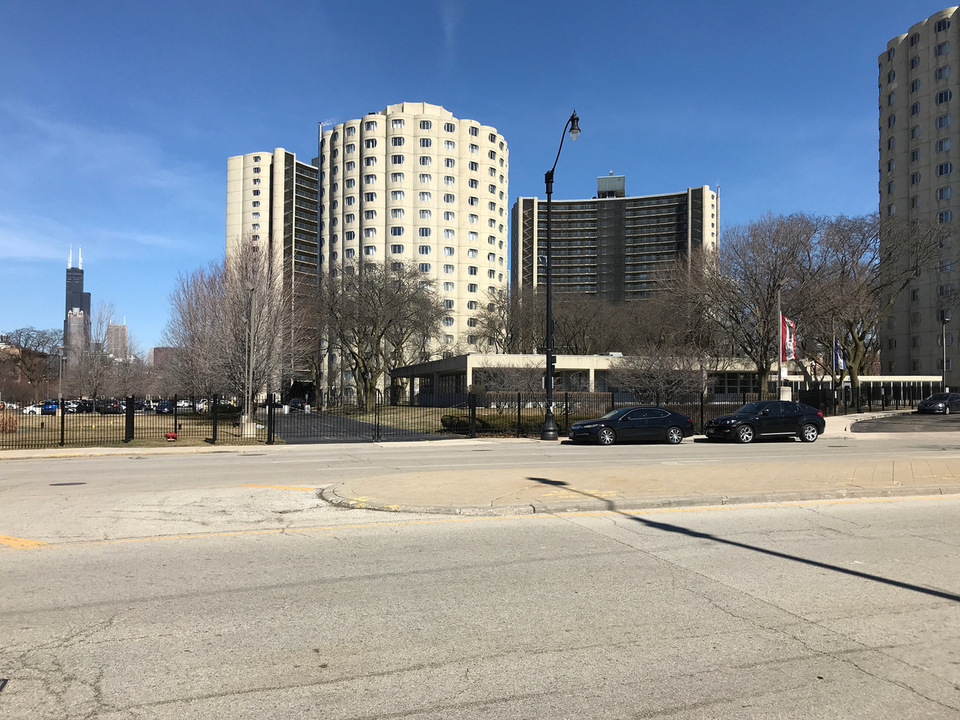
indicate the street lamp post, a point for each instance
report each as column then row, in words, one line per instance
column 944, row 319
column 549, row 429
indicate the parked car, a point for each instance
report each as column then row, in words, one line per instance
column 34, row 409
column 84, row 406
column 49, row 407
column 296, row 404
column 768, row 418
column 110, row 407
column 944, row 403
column 164, row 407
column 634, row 424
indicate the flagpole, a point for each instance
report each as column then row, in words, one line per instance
column 779, row 345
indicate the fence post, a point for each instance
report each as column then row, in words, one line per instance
column 271, row 401
column 128, row 425
column 519, row 417
column 214, row 418
column 703, row 403
column 566, row 412
column 612, row 402
column 62, row 420
column 472, row 404
column 377, row 400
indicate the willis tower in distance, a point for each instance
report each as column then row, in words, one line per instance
column 76, row 323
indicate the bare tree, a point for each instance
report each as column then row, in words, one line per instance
column 90, row 372
column 31, row 354
column 379, row 318
column 856, row 268
column 754, row 264
column 234, row 327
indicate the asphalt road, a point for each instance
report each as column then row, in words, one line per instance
column 910, row 423
column 814, row 611
column 220, row 586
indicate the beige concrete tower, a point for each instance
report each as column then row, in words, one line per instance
column 412, row 184
column 919, row 169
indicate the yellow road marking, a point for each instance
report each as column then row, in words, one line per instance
column 280, row 487
column 21, row 543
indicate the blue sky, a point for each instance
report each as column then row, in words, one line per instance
column 117, row 118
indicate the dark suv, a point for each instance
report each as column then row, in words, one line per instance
column 767, row 418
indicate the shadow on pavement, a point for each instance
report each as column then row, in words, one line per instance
column 680, row 530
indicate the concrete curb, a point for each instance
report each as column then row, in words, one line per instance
column 330, row 496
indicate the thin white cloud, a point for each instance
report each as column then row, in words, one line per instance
column 450, row 13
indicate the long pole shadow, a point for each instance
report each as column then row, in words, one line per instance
column 680, row 530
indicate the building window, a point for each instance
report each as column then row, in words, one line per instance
column 915, row 109
column 447, row 321
column 396, row 249
column 369, row 179
column 426, row 142
column 449, row 216
column 944, row 168
column 941, row 25
column 448, row 251
column 474, row 148
column 449, row 197
column 448, row 234
column 473, row 183
column 448, row 287
column 396, row 230
column 425, row 178
column 369, row 161
column 424, row 249
column 370, row 197
column 425, row 197
column 449, row 180
column 370, row 125
column 942, row 49
column 472, row 236
column 396, row 194
column 349, row 253
column 448, row 269
column 351, row 131
column 449, row 127
column 891, row 209
column 945, row 216
column 256, row 181
column 492, row 154
column 472, row 287
column 424, row 232
column 350, row 199
column 449, row 162
column 915, row 132
column 473, row 219
column 944, row 96
column 425, row 125
column 891, row 76
column 369, row 232
column 944, row 193
column 472, row 270
column 915, row 201
column 370, row 250
column 369, row 214
column 396, row 124
column 396, row 141
column 396, row 159
column 473, row 166
column 473, row 201
column 891, row 121
column 915, row 62
column 944, row 121
column 472, row 253
column 370, row 143
column 424, row 267
column 942, row 73
column 492, row 206
column 426, row 214
column 915, row 178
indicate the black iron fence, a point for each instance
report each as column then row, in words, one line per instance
column 338, row 418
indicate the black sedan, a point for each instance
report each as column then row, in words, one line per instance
column 164, row 407
column 944, row 403
column 768, row 418
column 634, row 424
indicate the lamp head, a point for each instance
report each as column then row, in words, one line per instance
column 574, row 126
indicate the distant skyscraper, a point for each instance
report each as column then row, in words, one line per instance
column 76, row 321
column 117, row 341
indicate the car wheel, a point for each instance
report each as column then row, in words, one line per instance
column 946, row 410
column 606, row 436
column 745, row 434
column 809, row 433
column 674, row 436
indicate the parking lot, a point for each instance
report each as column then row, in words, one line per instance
column 909, row 422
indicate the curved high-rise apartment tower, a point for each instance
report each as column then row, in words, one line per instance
column 920, row 180
column 412, row 184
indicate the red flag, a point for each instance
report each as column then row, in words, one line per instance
column 788, row 339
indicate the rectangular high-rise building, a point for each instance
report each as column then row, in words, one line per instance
column 611, row 246
column 76, row 318
column 919, row 126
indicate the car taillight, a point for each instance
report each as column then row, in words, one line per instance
column 819, row 413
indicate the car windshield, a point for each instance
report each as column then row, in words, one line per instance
column 937, row 397
column 612, row 413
